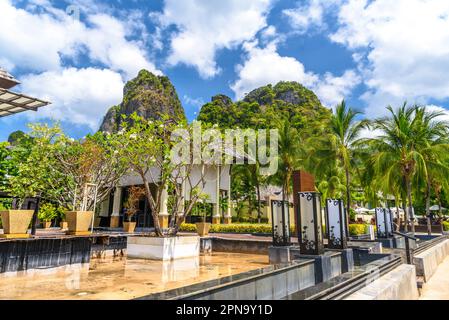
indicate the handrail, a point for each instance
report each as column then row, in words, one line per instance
column 408, row 250
column 405, row 235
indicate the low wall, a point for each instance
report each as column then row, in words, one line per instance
column 399, row 284
column 43, row 253
column 271, row 283
column 427, row 262
column 240, row 246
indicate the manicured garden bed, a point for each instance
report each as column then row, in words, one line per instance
column 354, row 229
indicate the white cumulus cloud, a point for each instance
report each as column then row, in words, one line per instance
column 401, row 48
column 48, row 43
column 79, row 96
column 204, row 27
column 309, row 14
column 266, row 66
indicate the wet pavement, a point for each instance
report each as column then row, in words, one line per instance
column 123, row 279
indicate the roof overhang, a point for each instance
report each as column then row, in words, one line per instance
column 12, row 103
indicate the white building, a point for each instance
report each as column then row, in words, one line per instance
column 217, row 186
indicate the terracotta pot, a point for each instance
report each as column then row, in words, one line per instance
column 47, row 224
column 64, row 225
column 79, row 222
column 203, row 228
column 129, row 227
column 16, row 222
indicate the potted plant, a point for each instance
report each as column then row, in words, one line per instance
column 47, row 212
column 62, row 218
column 131, row 207
column 202, row 227
column 15, row 223
column 79, row 222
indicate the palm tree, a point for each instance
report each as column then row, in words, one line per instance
column 406, row 148
column 342, row 144
column 252, row 180
column 291, row 155
column 434, row 147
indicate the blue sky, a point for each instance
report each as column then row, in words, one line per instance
column 78, row 54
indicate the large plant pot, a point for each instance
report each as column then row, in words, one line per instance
column 64, row 225
column 79, row 222
column 154, row 248
column 46, row 224
column 202, row 228
column 129, row 227
column 15, row 223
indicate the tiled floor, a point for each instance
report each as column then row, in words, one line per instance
column 125, row 278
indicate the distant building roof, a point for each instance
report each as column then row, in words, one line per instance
column 7, row 81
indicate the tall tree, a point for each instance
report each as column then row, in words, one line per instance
column 342, row 143
column 405, row 142
column 432, row 143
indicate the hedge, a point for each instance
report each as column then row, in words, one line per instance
column 358, row 229
column 354, row 229
column 446, row 226
column 232, row 228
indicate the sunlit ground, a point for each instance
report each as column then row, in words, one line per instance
column 122, row 278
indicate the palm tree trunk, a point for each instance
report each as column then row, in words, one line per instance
column 259, row 213
column 404, row 205
column 410, row 205
column 396, row 201
column 429, row 223
column 348, row 194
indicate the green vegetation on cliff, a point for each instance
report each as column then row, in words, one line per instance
column 261, row 107
column 148, row 95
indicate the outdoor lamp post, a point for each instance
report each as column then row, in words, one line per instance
column 310, row 234
column 336, row 224
column 384, row 222
column 280, row 220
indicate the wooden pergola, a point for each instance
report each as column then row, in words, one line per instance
column 13, row 103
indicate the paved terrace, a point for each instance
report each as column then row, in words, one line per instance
column 438, row 286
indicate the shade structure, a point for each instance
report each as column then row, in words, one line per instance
column 12, row 103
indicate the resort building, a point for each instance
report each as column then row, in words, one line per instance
column 217, row 187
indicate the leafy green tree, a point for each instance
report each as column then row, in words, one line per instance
column 5, row 164
column 408, row 137
column 432, row 143
column 32, row 160
column 341, row 146
column 292, row 153
column 148, row 149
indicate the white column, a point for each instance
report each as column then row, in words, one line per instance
column 117, row 200
column 163, row 211
column 115, row 217
column 217, row 216
column 228, row 214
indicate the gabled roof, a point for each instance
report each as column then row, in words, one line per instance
column 7, row 81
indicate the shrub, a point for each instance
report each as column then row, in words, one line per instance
column 446, row 226
column 47, row 212
column 358, row 229
column 233, row 228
